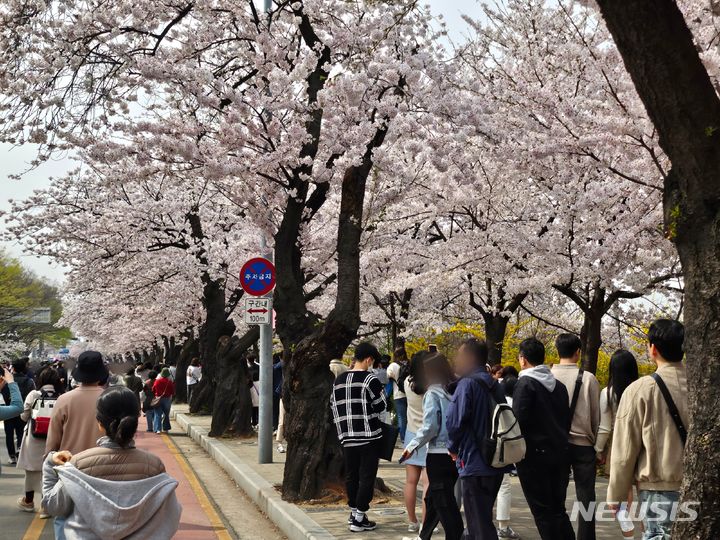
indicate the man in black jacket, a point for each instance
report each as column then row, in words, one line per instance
column 541, row 406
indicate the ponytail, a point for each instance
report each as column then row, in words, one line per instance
column 118, row 410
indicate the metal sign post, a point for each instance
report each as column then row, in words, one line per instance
column 257, row 279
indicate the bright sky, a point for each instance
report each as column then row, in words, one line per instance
column 14, row 160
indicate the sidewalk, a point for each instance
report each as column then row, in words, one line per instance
column 199, row 521
column 260, row 482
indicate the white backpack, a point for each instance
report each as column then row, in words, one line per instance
column 503, row 444
column 42, row 411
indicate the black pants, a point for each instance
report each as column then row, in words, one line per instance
column 582, row 461
column 13, row 432
column 361, row 466
column 479, row 494
column 545, row 488
column 440, row 499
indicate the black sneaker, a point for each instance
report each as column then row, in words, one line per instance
column 364, row 525
column 351, row 518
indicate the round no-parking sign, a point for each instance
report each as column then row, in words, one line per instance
column 257, row 277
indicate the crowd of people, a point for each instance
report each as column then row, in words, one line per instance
column 74, row 439
column 73, row 436
column 448, row 416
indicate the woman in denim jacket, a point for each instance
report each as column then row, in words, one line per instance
column 442, row 472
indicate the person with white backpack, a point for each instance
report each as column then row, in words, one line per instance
column 479, row 450
column 38, row 409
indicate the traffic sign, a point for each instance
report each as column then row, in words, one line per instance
column 257, row 277
column 258, row 310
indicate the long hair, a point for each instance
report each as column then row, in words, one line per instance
column 50, row 375
column 416, row 376
column 623, row 371
column 437, row 370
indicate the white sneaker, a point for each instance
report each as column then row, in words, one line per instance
column 280, row 448
column 507, row 533
column 413, row 527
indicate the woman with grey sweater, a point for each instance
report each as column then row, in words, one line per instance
column 115, row 490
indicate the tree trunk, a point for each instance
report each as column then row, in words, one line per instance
column 591, row 333
column 661, row 57
column 311, row 437
column 232, row 410
column 210, row 332
column 495, row 328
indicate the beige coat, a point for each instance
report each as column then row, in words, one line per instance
column 647, row 449
column 73, row 425
column 586, row 421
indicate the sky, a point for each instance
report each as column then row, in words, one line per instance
column 16, row 159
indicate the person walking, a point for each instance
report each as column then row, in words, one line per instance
column 143, row 369
column 650, row 433
column 14, row 405
column 584, row 395
column 73, row 426
column 192, row 376
column 356, row 402
column 146, row 401
column 32, row 450
column 442, row 473
column 133, row 382
column 504, row 497
column 15, row 426
column 541, row 406
column 623, row 371
column 113, row 490
column 468, row 416
column 163, row 388
column 397, row 372
column 414, row 388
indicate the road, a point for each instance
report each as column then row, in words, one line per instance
column 213, row 506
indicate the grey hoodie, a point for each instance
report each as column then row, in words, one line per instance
column 543, row 374
column 98, row 509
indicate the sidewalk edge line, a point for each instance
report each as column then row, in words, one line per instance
column 292, row 521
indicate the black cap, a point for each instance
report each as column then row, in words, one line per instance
column 90, row 368
column 367, row 350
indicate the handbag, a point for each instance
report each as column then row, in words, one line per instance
column 388, row 440
column 154, row 402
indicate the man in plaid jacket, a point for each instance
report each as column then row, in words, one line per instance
column 357, row 401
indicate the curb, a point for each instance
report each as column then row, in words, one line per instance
column 292, row 521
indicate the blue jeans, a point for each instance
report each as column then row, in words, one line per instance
column 162, row 414
column 149, row 415
column 59, row 528
column 658, row 527
column 401, row 411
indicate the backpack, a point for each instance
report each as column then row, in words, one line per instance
column 503, row 443
column 403, row 374
column 42, row 410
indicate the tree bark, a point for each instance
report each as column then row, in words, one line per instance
column 661, row 57
column 495, row 328
column 591, row 332
column 232, row 409
column 312, row 445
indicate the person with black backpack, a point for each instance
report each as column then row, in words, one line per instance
column 14, row 426
column 584, row 391
column 541, row 405
column 650, row 432
column 468, row 422
column 37, row 412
